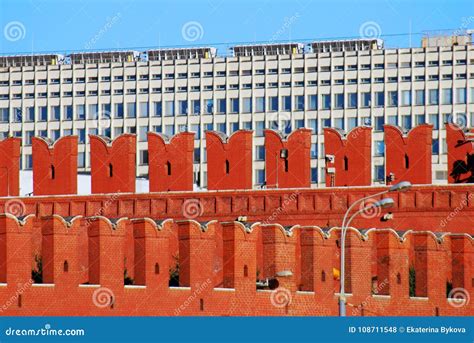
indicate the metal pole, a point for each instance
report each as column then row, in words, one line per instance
column 342, row 294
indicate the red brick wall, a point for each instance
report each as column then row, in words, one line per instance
column 113, row 164
column 55, row 166
column 408, row 156
column 229, row 160
column 10, row 166
column 352, row 156
column 170, row 162
column 460, row 154
column 447, row 208
column 292, row 170
column 65, row 292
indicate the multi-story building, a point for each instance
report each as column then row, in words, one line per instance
column 339, row 84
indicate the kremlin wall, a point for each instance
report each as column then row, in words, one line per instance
column 233, row 250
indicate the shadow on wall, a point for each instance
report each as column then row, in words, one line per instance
column 463, row 171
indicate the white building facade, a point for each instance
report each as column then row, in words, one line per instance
column 287, row 89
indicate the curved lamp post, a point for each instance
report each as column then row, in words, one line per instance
column 384, row 203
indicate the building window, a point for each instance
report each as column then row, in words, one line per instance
column 314, row 175
column 221, row 127
column 313, row 125
column 379, row 121
column 43, row 113
column 157, row 109
column 379, row 148
column 379, row 99
column 196, row 128
column 339, row 101
column 419, row 119
column 247, row 105
column 352, row 100
column 92, row 111
column 406, row 98
column 379, row 173
column 273, row 104
column 314, row 150
column 196, row 107
column 351, row 123
column 339, row 123
column 434, row 120
column 209, row 108
column 118, row 109
column 4, row 115
column 259, row 127
column 234, row 105
column 446, row 96
column 260, row 153
column 143, row 157
column 81, row 159
column 221, row 106
column 286, row 103
column 433, row 97
column 260, row 104
column 406, row 122
column 366, row 99
column 234, row 126
column 182, row 107
column 326, row 101
column 460, row 95
column 392, row 98
column 260, row 176
column 420, row 97
column 143, row 110
column 28, row 161
column 312, row 102
column 169, row 108
column 80, row 112
column 435, row 146
column 55, row 113
column 142, row 133
column 81, row 133
column 299, row 102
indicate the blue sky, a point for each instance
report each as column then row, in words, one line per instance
column 62, row 26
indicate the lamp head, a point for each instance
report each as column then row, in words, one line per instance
column 384, row 203
column 400, row 187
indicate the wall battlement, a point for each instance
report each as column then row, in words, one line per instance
column 102, row 266
column 230, row 160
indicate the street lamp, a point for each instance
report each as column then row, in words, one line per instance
column 384, row 203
